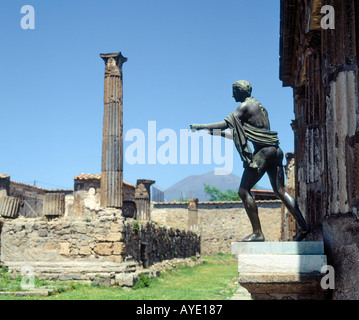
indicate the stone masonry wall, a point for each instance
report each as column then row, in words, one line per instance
column 37, row 239
column 150, row 243
column 221, row 223
column 77, row 248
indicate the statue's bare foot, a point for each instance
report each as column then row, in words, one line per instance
column 301, row 234
column 254, row 237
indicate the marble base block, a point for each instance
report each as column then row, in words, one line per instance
column 282, row 270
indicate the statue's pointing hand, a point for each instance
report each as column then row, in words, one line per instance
column 195, row 127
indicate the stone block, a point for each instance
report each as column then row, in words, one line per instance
column 74, row 252
column 282, row 270
column 50, row 246
column 113, row 237
column 85, row 251
column 110, row 237
column 81, row 229
column 279, row 248
column 118, row 248
column 64, row 231
column 42, row 232
column 285, row 264
column 103, row 248
column 116, row 227
column 116, row 258
column 65, row 248
column 125, row 279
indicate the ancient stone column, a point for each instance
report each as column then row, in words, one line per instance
column 9, row 207
column 147, row 184
column 112, row 143
column 54, row 204
column 143, row 198
column 289, row 229
column 193, row 221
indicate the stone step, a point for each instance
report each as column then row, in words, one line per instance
column 35, row 292
column 278, row 248
column 73, row 267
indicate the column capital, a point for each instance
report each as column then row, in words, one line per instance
column 113, row 62
column 144, row 186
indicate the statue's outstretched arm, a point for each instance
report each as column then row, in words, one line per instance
column 212, row 126
column 228, row 134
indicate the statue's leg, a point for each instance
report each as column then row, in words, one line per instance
column 276, row 177
column 249, row 179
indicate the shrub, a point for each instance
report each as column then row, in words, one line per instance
column 136, row 226
column 142, row 282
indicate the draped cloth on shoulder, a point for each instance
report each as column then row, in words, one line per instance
column 245, row 132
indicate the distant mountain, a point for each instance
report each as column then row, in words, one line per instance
column 194, row 186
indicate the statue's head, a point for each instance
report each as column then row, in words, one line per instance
column 242, row 89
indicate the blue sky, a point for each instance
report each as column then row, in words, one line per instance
column 183, row 57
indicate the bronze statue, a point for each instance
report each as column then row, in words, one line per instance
column 250, row 122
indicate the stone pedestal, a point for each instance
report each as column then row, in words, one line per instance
column 282, row 270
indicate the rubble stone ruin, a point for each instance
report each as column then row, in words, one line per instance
column 90, row 233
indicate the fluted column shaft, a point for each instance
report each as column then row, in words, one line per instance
column 112, row 142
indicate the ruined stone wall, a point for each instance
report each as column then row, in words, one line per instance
column 79, row 248
column 37, row 239
column 86, row 203
column 221, row 223
column 170, row 214
column 150, row 243
column 87, row 194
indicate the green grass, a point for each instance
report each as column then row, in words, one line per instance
column 209, row 281
column 8, row 284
